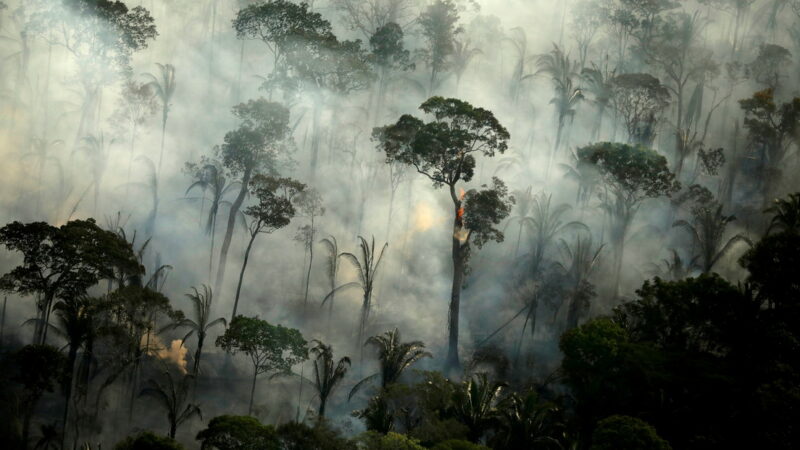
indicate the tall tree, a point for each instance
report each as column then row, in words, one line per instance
column 632, row 175
column 444, row 150
column 101, row 36
column 638, row 100
column 309, row 204
column 388, row 55
column 39, row 369
column 272, row 349
column 210, row 175
column 772, row 129
column 62, row 262
column 439, row 23
column 274, row 210
column 707, row 232
column 367, row 270
column 257, row 146
column 562, row 71
column 328, row 374
column 201, row 305
column 394, row 357
column 164, row 88
column 173, row 396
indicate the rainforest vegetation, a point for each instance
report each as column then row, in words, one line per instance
column 399, row 224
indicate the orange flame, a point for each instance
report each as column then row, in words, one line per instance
column 461, row 195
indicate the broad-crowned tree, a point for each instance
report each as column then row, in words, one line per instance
column 772, row 129
column 62, row 262
column 259, row 145
column 273, row 349
column 101, row 36
column 274, row 209
column 445, row 150
column 439, row 23
column 388, row 55
column 638, row 100
column 632, row 174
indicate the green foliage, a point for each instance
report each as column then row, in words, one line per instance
column 626, row 433
column 327, row 373
column 785, row 214
column 238, row 433
column 702, row 314
column 443, row 150
column 371, row 440
column 439, row 23
column 319, row 436
column 274, row 208
column 772, row 263
column 261, row 141
column 148, row 441
column 639, row 98
column 39, row 369
column 484, row 209
column 772, row 127
column 474, row 404
column 454, row 444
column 388, row 52
column 271, row 348
column 632, row 172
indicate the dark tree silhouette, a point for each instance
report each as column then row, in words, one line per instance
column 257, row 146
column 274, row 210
column 444, row 150
column 272, row 349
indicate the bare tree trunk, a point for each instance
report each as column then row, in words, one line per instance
column 241, row 275
column 310, row 261
column 252, row 392
column 452, row 363
column 226, row 242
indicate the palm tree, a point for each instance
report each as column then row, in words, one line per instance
column 525, row 421
column 524, row 204
column 41, row 151
column 172, row 396
column 598, row 83
column 561, row 70
column 708, row 232
column 520, row 43
column 164, row 88
column 462, row 56
column 675, row 268
column 475, row 404
column 367, row 270
column 786, row 214
column 546, row 223
column 394, row 358
column 211, row 177
column 96, row 150
column 581, row 260
column 585, row 175
column 327, row 373
column 201, row 323
column 332, row 270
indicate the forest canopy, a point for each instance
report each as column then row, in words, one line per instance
column 399, row 224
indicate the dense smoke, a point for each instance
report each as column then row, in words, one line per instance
column 76, row 148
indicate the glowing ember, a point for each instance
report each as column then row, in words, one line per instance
column 175, row 353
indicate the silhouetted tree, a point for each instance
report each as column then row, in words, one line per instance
column 172, row 395
column 632, row 174
column 257, row 146
column 444, row 151
column 272, row 349
column 273, row 211
column 327, row 373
